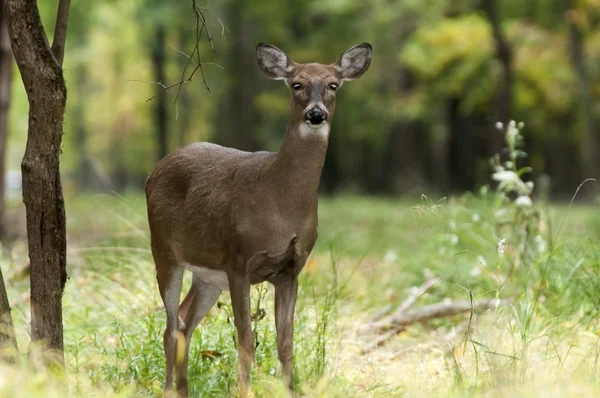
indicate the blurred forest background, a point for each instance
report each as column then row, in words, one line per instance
column 422, row 119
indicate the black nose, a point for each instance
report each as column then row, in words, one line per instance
column 316, row 116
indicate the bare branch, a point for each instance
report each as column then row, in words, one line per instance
column 428, row 312
column 439, row 310
column 60, row 30
column 223, row 27
column 430, row 282
column 199, row 27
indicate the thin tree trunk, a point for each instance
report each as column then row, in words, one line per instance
column 185, row 103
column 237, row 119
column 6, row 67
column 84, row 174
column 589, row 143
column 504, row 94
column 158, row 62
column 44, row 83
column 8, row 339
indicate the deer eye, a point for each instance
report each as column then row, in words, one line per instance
column 333, row 86
column 296, row 86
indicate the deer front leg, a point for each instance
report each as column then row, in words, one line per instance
column 285, row 304
column 239, row 287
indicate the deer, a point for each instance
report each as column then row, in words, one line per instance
column 236, row 218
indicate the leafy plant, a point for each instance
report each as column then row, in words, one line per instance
column 517, row 217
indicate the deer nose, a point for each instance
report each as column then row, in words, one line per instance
column 316, row 116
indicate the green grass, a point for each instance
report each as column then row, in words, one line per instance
column 370, row 252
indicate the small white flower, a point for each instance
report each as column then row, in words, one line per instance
column 505, row 175
column 529, row 185
column 453, row 239
column 523, row 201
column 481, row 260
column 520, row 125
column 475, row 217
column 512, row 132
column 541, row 244
column 390, row 256
column 475, row 272
column 499, row 125
column 512, row 124
column 501, row 246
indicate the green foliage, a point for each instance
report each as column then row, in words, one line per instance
column 370, row 253
column 428, row 56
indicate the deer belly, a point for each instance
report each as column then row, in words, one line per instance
column 211, row 276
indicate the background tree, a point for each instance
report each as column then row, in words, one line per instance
column 6, row 67
column 444, row 72
column 42, row 74
column 577, row 18
column 7, row 331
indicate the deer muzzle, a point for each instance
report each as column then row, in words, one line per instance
column 315, row 115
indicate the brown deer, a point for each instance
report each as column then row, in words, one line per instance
column 237, row 218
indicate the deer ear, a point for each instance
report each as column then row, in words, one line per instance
column 354, row 62
column 273, row 62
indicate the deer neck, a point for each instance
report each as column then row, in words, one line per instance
column 299, row 162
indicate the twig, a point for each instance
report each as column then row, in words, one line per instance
column 199, row 27
column 412, row 299
column 426, row 313
column 223, row 27
column 380, row 340
column 381, row 313
column 407, row 304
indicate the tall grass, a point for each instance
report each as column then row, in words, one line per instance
column 542, row 341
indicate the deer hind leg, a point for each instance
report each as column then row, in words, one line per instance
column 239, row 288
column 169, row 283
column 199, row 300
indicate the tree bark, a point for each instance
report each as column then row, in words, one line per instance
column 8, row 339
column 589, row 144
column 6, row 67
column 42, row 191
column 504, row 94
column 158, row 62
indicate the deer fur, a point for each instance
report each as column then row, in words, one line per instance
column 237, row 218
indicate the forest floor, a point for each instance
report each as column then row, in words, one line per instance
column 540, row 337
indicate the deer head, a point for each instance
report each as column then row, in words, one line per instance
column 313, row 87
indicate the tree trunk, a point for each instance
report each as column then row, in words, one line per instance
column 238, row 118
column 6, row 67
column 504, row 94
column 44, row 83
column 8, row 339
column 589, row 144
column 84, row 171
column 158, row 63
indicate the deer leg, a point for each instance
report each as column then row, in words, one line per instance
column 239, row 287
column 285, row 304
column 199, row 300
column 169, row 284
